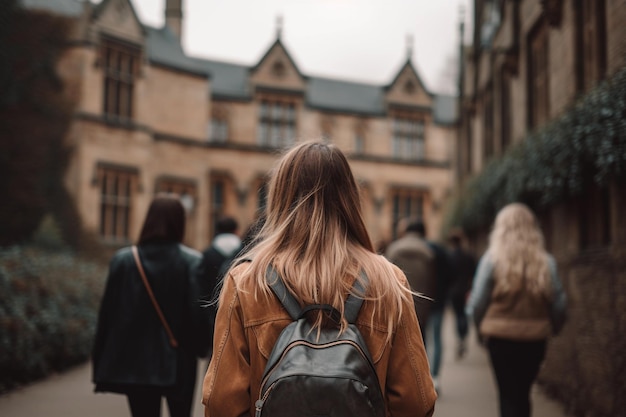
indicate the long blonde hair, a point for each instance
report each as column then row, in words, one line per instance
column 517, row 249
column 315, row 237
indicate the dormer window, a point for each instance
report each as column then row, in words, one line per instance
column 120, row 63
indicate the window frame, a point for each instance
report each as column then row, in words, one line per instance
column 538, row 71
column 407, row 202
column 220, row 130
column 591, row 43
column 505, row 111
column 277, row 122
column 120, row 67
column 488, row 123
column 116, row 208
column 408, row 135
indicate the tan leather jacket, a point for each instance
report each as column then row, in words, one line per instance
column 246, row 330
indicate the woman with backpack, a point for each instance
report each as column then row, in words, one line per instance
column 314, row 242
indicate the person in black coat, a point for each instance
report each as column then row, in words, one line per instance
column 132, row 353
column 463, row 267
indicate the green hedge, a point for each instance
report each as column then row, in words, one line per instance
column 585, row 145
column 48, row 310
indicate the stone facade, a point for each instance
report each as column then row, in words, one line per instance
column 150, row 118
column 531, row 61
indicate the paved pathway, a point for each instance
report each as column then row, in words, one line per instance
column 467, row 390
column 468, row 387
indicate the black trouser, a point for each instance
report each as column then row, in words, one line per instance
column 515, row 365
column 147, row 402
column 462, row 326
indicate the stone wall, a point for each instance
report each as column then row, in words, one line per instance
column 585, row 366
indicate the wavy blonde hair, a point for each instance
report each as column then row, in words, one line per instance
column 517, row 249
column 315, row 237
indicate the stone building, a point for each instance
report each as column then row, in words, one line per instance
column 151, row 118
column 536, row 68
column 530, row 62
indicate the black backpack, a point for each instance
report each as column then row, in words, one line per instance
column 332, row 375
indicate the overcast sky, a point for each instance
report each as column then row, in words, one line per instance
column 359, row 40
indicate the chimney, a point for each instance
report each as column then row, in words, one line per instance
column 174, row 16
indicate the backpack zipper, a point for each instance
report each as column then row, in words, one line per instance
column 259, row 403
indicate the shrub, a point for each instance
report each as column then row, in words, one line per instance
column 48, row 312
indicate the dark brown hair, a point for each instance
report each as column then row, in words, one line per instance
column 165, row 221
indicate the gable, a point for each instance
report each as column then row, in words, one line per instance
column 408, row 89
column 118, row 18
column 277, row 70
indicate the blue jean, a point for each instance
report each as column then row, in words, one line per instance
column 435, row 346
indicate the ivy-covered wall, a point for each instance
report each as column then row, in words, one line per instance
column 587, row 144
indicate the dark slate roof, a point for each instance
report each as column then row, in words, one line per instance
column 72, row 8
column 231, row 81
column 445, row 110
column 163, row 47
column 335, row 95
column 227, row 80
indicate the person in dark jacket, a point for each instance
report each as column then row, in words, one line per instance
column 132, row 352
column 435, row 320
column 462, row 267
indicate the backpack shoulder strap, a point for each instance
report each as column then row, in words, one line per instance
column 284, row 296
column 352, row 306
column 354, row 303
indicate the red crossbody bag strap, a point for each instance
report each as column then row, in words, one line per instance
column 173, row 340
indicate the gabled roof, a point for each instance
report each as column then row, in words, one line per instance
column 409, row 64
column 163, row 47
column 70, row 8
column 99, row 8
column 269, row 50
column 231, row 81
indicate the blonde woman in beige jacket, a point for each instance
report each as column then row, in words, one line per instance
column 517, row 302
